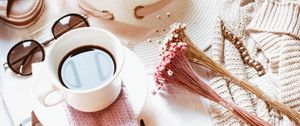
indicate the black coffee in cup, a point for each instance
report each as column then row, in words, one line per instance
column 86, row 67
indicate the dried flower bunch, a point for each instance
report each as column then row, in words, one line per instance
column 190, row 81
column 175, row 69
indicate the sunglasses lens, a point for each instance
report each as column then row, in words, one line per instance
column 68, row 23
column 22, row 55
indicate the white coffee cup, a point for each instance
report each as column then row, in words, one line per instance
column 89, row 100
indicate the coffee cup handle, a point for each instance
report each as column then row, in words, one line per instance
column 42, row 96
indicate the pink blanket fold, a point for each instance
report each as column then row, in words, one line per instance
column 120, row 113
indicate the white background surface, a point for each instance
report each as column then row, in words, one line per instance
column 175, row 109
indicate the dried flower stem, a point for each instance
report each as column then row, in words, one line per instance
column 195, row 55
column 175, row 69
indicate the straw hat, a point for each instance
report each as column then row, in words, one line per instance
column 199, row 15
column 138, row 20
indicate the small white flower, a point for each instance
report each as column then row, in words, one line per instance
column 170, row 72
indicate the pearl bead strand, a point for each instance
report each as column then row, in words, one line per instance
column 243, row 51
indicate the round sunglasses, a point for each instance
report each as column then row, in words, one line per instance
column 24, row 53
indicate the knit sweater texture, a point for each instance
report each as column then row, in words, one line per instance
column 270, row 30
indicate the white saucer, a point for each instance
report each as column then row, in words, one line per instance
column 133, row 75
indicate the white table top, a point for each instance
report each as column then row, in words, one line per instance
column 176, row 109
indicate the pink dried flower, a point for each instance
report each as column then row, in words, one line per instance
column 175, row 70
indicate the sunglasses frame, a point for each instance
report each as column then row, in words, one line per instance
column 15, row 46
column 84, row 17
column 42, row 45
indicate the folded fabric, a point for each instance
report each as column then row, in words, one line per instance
column 3, row 7
column 276, row 29
column 120, row 113
column 270, row 30
column 236, row 15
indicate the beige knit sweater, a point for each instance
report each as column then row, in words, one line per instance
column 274, row 27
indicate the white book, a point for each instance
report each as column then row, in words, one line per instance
column 5, row 117
column 18, row 98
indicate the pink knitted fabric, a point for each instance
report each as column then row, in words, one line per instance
column 120, row 113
